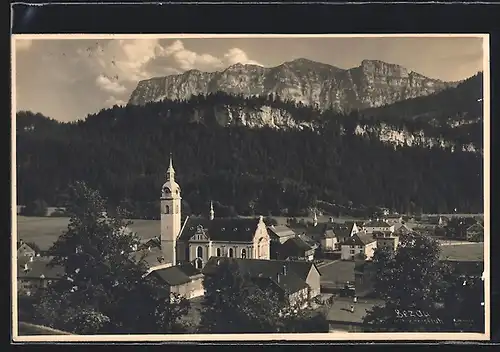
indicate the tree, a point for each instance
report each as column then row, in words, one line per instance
column 104, row 290
column 411, row 283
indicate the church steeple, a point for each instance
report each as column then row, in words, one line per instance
column 171, row 171
column 212, row 213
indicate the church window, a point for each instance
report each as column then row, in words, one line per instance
column 167, row 209
column 199, row 252
column 218, row 252
column 231, row 252
column 198, row 263
column 243, row 253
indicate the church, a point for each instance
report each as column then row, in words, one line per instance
column 197, row 239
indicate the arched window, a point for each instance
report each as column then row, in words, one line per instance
column 198, row 263
column 218, row 252
column 231, row 252
column 199, row 252
column 167, row 209
column 243, row 253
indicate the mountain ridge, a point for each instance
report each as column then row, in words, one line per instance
column 373, row 83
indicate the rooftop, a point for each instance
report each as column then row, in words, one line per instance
column 221, row 229
column 39, row 267
column 176, row 275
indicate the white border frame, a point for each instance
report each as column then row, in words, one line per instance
column 334, row 336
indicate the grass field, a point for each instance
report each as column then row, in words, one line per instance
column 44, row 231
column 463, row 252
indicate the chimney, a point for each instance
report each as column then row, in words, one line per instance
column 331, row 219
column 31, row 258
column 21, row 242
column 26, row 269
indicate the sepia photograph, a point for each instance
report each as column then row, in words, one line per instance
column 250, row 187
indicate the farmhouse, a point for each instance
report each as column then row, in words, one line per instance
column 393, row 219
column 378, row 225
column 183, row 279
column 297, row 281
column 35, row 273
column 296, row 248
column 386, row 240
column 25, row 250
column 358, row 244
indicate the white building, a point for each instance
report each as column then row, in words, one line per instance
column 357, row 244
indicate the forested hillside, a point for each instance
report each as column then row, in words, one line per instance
column 124, row 151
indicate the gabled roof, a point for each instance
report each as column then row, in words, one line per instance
column 281, row 231
column 150, row 258
column 478, row 225
column 176, row 275
column 256, row 267
column 377, row 223
column 308, row 240
column 268, row 270
column 359, row 239
column 329, row 234
column 38, row 267
column 24, row 244
column 403, row 229
column 293, row 246
column 221, row 229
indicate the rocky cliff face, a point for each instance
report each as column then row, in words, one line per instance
column 374, row 83
column 280, row 119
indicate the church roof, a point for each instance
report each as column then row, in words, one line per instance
column 221, row 229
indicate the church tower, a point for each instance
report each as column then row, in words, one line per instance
column 170, row 215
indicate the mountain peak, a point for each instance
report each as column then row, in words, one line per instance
column 374, row 82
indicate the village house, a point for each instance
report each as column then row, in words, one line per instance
column 360, row 244
column 329, row 241
column 334, row 234
column 183, row 279
column 296, row 281
column 386, row 240
column 401, row 229
column 25, row 250
column 280, row 233
column 296, row 249
column 475, row 233
column 464, row 228
column 35, row 273
column 393, row 219
column 378, row 226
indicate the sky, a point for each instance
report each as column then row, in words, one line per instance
column 67, row 79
